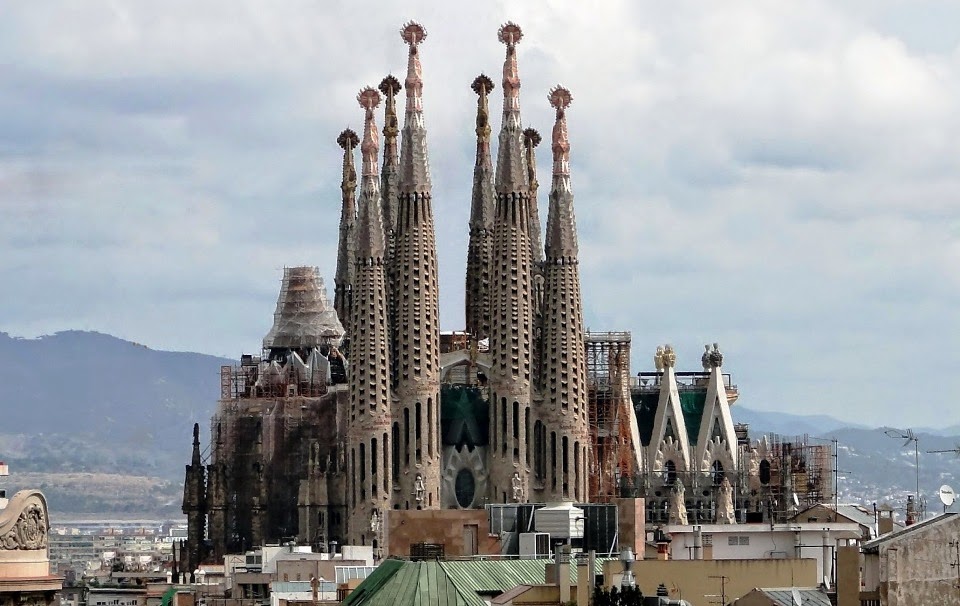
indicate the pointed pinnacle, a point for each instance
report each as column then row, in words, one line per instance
column 369, row 100
column 348, row 140
column 560, row 99
column 482, row 85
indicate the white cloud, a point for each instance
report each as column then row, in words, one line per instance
column 780, row 178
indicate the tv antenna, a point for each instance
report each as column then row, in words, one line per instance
column 955, row 450
column 908, row 436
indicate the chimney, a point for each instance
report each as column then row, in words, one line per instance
column 563, row 571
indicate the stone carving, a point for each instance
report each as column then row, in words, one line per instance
column 716, row 358
column 375, row 522
column 669, row 356
column 29, row 532
column 725, row 513
column 678, row 509
column 669, row 450
column 705, row 358
column 658, row 359
column 517, row 486
column 753, row 469
column 419, row 489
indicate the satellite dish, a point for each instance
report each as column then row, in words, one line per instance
column 947, row 495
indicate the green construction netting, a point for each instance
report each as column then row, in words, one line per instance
column 691, row 403
column 464, row 416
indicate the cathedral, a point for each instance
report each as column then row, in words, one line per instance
column 363, row 405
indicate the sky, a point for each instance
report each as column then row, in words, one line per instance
column 781, row 178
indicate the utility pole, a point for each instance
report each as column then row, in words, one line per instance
column 723, row 590
column 955, row 564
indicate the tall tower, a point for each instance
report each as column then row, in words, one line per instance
column 531, row 139
column 417, row 324
column 217, row 499
column 343, row 280
column 389, row 190
column 194, row 503
column 369, row 479
column 511, row 311
column 565, row 402
column 482, row 207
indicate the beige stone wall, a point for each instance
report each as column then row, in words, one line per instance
column 692, row 580
column 916, row 569
column 446, row 526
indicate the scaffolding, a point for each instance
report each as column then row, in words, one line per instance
column 801, row 474
column 610, row 407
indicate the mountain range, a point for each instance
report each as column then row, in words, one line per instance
column 103, row 426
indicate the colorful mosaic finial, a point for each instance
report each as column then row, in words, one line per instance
column 482, row 85
column 510, row 34
column 560, row 99
column 369, row 100
column 413, row 34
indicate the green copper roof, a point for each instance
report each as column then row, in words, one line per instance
column 691, row 403
column 397, row 582
column 464, row 416
column 449, row 583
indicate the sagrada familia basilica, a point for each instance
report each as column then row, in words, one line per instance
column 362, row 406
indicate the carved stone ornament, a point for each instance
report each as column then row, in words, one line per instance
column 30, row 531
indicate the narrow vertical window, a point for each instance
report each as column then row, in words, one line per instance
column 417, row 439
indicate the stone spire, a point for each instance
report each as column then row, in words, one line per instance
column 482, row 208
column 390, row 192
column 531, row 139
column 369, row 424
column 217, row 498
column 416, row 327
column 343, row 280
column 511, row 163
column 564, row 363
column 511, row 309
column 414, row 162
column 371, row 246
column 194, row 503
column 389, row 178
column 562, row 229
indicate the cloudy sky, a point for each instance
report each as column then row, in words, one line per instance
column 780, row 177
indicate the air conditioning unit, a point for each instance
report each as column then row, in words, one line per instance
column 534, row 545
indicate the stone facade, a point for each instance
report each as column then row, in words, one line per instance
column 25, row 578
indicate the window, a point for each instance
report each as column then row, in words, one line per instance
column 736, row 540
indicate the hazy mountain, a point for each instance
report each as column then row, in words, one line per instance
column 103, row 425
column 788, row 424
column 88, row 403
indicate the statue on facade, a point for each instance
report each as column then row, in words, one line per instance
column 669, row 356
column 375, row 522
column 753, row 469
column 705, row 358
column 678, row 508
column 716, row 358
column 725, row 513
column 517, row 487
column 658, row 359
column 419, row 490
